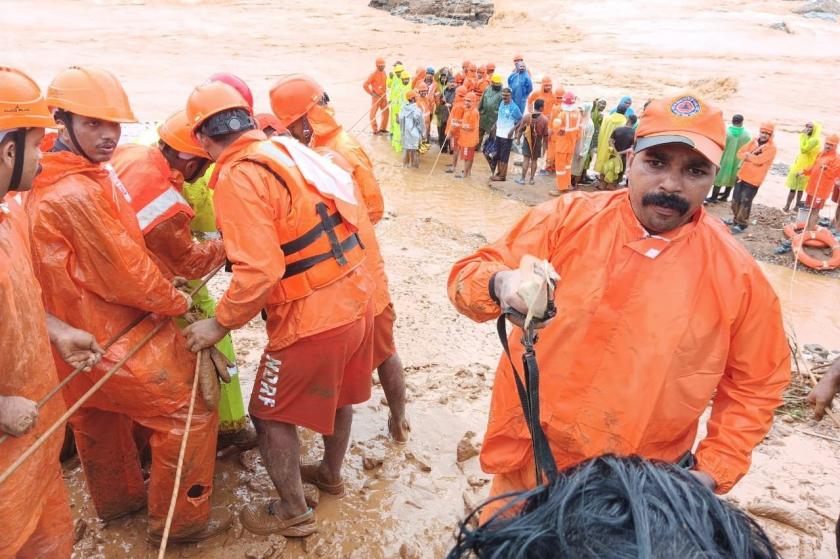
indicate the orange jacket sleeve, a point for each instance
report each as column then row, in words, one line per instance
column 757, row 372
column 245, row 208
column 172, row 243
column 469, row 280
column 108, row 261
column 368, row 85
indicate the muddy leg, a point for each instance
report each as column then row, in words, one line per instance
column 335, row 446
column 280, row 451
column 791, row 194
column 392, row 378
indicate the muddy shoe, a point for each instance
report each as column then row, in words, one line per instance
column 258, row 519
column 309, row 474
column 244, row 438
column 220, row 520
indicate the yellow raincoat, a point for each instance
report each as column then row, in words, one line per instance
column 809, row 150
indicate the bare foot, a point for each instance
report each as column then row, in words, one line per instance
column 400, row 431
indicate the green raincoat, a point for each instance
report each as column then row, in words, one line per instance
column 736, row 137
column 809, row 149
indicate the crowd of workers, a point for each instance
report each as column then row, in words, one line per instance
column 475, row 110
column 96, row 236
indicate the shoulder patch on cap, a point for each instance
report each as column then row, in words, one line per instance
column 685, row 106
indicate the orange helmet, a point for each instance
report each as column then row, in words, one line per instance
column 459, row 78
column 177, row 132
column 90, row 92
column 268, row 120
column 21, row 104
column 236, row 83
column 491, row 68
column 293, row 95
column 482, row 70
column 832, row 139
column 559, row 91
column 380, row 61
column 211, row 98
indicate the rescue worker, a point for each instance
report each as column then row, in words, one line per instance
column 90, row 258
column 545, row 93
column 289, row 221
column 823, row 180
column 154, row 177
column 810, row 142
column 519, row 82
column 376, row 86
column 453, row 125
column 649, row 323
column 34, row 499
column 756, row 159
column 566, row 131
column 488, row 107
column 294, row 97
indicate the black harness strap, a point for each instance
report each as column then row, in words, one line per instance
column 310, row 236
column 19, row 139
column 301, row 266
column 529, row 398
column 335, row 245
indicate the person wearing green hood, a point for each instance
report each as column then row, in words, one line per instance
column 736, row 137
column 488, row 107
column 598, row 107
column 810, row 144
column 397, row 100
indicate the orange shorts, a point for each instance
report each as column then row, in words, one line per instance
column 465, row 153
column 304, row 384
column 817, row 204
column 383, row 335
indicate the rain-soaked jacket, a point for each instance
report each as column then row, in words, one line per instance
column 823, row 174
column 757, row 159
column 163, row 213
column 27, row 371
column 251, row 210
column 648, row 329
column 90, row 259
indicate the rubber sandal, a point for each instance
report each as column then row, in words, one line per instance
column 554, row 193
column 258, row 519
column 309, row 474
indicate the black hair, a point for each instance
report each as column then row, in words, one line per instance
column 621, row 109
column 539, row 104
column 632, row 119
column 614, row 507
column 738, row 119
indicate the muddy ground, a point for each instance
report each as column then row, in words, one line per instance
column 408, row 505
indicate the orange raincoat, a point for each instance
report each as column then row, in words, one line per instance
column 249, row 209
column 34, row 500
column 96, row 275
column 164, row 214
column 754, row 168
column 822, row 175
column 565, row 129
column 648, row 330
column 376, row 86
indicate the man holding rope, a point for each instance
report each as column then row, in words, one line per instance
column 96, row 274
column 35, row 499
column 649, row 323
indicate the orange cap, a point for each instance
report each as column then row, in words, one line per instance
column 546, row 80
column 211, row 98
column 90, row 92
column 684, row 119
column 832, row 139
column 236, row 83
column 177, row 132
column 410, row 94
column 461, row 91
column 466, row 65
column 293, row 95
column 767, row 127
column 380, row 61
column 559, row 91
column 517, row 57
column 21, row 104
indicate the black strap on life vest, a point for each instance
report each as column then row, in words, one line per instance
column 529, row 397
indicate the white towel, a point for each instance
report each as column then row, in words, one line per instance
column 330, row 179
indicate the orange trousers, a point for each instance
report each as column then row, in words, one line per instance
column 53, row 534
column 563, row 164
column 376, row 105
column 549, row 154
column 111, row 464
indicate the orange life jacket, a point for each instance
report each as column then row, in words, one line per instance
column 319, row 235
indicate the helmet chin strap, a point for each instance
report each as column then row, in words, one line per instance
column 68, row 125
column 19, row 139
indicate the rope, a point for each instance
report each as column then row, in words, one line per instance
column 181, row 454
column 39, row 442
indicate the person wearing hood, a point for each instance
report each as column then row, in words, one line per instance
column 545, row 93
column 376, row 86
column 566, row 129
column 482, row 81
column 757, row 158
column 823, row 181
column 412, row 130
column 453, row 127
column 488, row 107
column 401, row 87
column 625, row 103
column 736, row 137
column 97, row 274
column 810, row 140
column 587, row 130
column 597, row 117
column 608, row 125
column 425, row 101
column 520, row 83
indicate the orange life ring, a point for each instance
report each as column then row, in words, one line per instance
column 825, row 239
column 793, row 229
